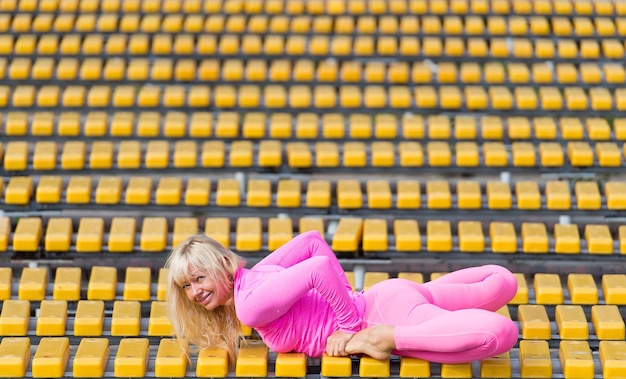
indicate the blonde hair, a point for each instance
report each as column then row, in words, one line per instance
column 193, row 324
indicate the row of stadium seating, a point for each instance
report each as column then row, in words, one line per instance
column 340, row 47
column 371, row 194
column 304, row 71
column 87, row 319
column 23, row 157
column 105, row 284
column 140, row 357
column 249, row 234
column 321, row 97
column 317, row 7
column 331, row 126
column 560, row 26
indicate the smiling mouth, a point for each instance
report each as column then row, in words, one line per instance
column 203, row 300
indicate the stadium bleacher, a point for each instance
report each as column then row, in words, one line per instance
column 418, row 136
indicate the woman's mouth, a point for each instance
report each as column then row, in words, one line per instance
column 204, row 299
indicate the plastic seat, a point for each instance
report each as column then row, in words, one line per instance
column 471, row 238
column 58, row 235
column 15, row 356
column 439, row 154
column 378, row 194
column 19, row 190
column 131, row 358
column 535, row 358
column 534, row 322
column 51, row 357
column 587, row 195
column 27, row 234
column 580, row 153
column 548, row 289
column 153, row 234
column 91, row 357
column 407, row 235
column 575, row 356
column 571, row 322
column 609, row 352
column 495, row 154
column 89, row 318
column 438, row 195
column 52, row 318
column 109, row 190
column 566, row 239
column 157, row 155
column 5, row 230
column 33, row 283
column 607, row 322
column 375, row 238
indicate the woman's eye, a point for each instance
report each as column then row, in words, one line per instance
column 185, row 286
column 199, row 278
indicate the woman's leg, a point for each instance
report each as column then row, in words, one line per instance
column 400, row 318
column 487, row 287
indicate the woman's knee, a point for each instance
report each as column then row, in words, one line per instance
column 506, row 281
column 509, row 334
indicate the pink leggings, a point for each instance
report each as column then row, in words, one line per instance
column 451, row 319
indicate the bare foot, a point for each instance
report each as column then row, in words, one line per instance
column 376, row 341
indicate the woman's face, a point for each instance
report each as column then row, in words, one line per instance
column 203, row 291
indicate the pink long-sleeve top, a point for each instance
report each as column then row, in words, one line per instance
column 298, row 296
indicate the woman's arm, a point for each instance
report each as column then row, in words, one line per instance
column 302, row 247
column 273, row 297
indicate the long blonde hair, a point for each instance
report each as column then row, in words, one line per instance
column 193, row 324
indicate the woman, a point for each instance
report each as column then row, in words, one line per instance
column 299, row 300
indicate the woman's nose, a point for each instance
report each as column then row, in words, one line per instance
column 195, row 289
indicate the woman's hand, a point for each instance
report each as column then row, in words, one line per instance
column 336, row 344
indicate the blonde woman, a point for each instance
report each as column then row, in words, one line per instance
column 299, row 300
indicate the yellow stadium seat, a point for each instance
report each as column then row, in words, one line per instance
column 534, row 322
column 375, row 235
column 548, row 289
column 67, row 283
column 249, row 234
column 497, row 366
column 6, row 279
column 336, row 366
column 566, row 239
column 407, row 235
column 91, row 357
column 612, row 193
column 52, row 318
column 102, row 283
column 438, row 195
column 378, row 194
column 58, row 234
column 535, row 358
column 575, row 356
column 599, row 239
column 89, row 318
column 571, row 322
column 607, row 322
column 610, row 358
column 51, row 357
column 109, row 190
column 15, row 356
column 27, row 234
column 14, row 318
column 132, row 356
column 438, row 236
column 498, row 195
column 33, row 283
column 19, row 190
column 137, row 284
column 471, row 238
column 125, row 319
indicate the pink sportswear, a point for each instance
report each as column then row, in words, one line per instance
column 298, row 296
